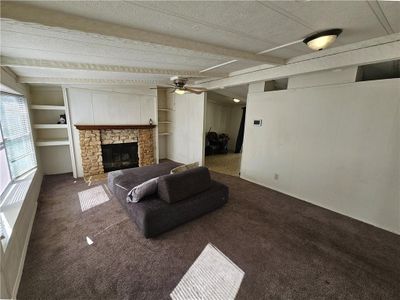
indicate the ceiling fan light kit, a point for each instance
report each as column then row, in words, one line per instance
column 323, row 39
column 180, row 92
column 179, row 86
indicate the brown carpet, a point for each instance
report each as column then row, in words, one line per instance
column 288, row 249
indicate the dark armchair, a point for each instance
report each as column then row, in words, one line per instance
column 216, row 143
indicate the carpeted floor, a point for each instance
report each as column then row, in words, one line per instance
column 288, row 249
column 224, row 163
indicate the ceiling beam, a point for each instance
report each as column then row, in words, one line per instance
column 66, row 65
column 366, row 52
column 51, row 18
column 86, row 81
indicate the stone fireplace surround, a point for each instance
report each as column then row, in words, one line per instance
column 91, row 137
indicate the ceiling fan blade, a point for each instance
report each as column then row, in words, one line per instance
column 197, row 88
column 195, row 91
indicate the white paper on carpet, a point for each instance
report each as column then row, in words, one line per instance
column 92, row 197
column 212, row 276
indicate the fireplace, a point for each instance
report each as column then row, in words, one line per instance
column 106, row 148
column 119, row 156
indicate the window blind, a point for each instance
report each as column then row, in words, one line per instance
column 16, row 129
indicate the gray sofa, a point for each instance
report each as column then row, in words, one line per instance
column 181, row 197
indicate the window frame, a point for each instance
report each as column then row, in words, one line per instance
column 3, row 146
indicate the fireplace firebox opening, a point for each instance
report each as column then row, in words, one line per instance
column 119, row 156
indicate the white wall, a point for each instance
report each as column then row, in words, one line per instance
column 186, row 143
column 335, row 146
column 217, row 116
column 224, row 118
column 108, row 106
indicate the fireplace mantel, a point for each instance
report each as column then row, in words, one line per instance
column 99, row 127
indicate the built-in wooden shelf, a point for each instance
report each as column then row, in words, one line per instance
column 96, row 127
column 49, row 126
column 164, row 133
column 53, row 142
column 48, row 107
column 164, row 109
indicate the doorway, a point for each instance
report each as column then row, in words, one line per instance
column 224, row 129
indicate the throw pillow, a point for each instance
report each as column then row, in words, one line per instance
column 184, row 168
column 140, row 191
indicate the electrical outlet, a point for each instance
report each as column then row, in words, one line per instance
column 257, row 123
column 276, row 176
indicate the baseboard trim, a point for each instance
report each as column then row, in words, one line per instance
column 23, row 255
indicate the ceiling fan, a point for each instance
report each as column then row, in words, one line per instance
column 179, row 86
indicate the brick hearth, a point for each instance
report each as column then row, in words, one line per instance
column 92, row 139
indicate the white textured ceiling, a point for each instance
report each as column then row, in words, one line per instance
column 238, row 92
column 217, row 97
column 250, row 26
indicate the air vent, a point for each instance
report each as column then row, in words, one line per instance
column 379, row 71
column 276, row 85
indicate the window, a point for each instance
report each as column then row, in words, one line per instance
column 17, row 153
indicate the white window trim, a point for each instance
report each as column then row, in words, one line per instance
column 3, row 145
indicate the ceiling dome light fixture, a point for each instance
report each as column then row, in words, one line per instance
column 322, row 40
column 180, row 92
column 236, row 100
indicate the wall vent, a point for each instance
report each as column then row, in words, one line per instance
column 276, row 85
column 379, row 71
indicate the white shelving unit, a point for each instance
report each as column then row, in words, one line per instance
column 48, row 107
column 52, row 142
column 164, row 122
column 50, row 126
column 51, row 139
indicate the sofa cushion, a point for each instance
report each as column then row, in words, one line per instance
column 142, row 190
column 184, row 168
column 176, row 187
column 122, row 181
column 155, row 216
